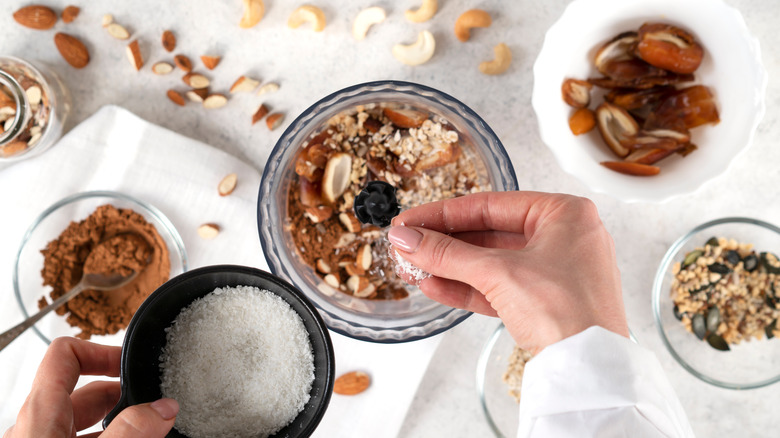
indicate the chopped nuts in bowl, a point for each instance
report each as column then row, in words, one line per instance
column 426, row 144
column 715, row 302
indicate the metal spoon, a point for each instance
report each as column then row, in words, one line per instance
column 87, row 282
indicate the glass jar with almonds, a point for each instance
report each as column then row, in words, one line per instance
column 33, row 106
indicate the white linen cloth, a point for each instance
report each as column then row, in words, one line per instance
column 115, row 150
column 599, row 384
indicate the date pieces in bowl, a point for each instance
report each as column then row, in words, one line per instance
column 650, row 102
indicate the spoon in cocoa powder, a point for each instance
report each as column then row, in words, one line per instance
column 112, row 263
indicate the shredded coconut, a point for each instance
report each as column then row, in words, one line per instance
column 405, row 269
column 239, row 362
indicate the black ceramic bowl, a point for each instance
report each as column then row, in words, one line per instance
column 145, row 338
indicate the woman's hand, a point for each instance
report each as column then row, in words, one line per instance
column 54, row 409
column 543, row 263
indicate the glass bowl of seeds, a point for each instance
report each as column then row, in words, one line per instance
column 716, row 302
column 426, row 144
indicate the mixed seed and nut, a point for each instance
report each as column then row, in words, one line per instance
column 30, row 127
column 419, row 154
column 727, row 293
column 513, row 376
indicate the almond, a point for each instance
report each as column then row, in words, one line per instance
column 168, row 41
column 33, row 95
column 183, row 63
column 364, row 257
column 214, row 101
column 70, row 13
column 197, row 95
column 208, row 231
column 318, row 214
column 333, row 281
column 354, row 270
column 336, row 177
column 134, row 55
column 344, row 240
column 210, row 61
column 36, row 17
column 405, row 118
column 118, row 31
column 350, row 222
column 176, row 97
column 268, row 88
column 107, row 19
column 228, row 184
column 274, row 120
column 12, row 148
column 323, row 266
column 162, row 68
column 262, row 110
column 439, row 158
column 352, row 383
column 244, row 84
column 196, row 80
column 72, row 50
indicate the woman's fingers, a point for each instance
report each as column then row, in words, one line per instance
column 493, row 239
column 68, row 358
column 92, row 402
column 148, row 420
column 456, row 294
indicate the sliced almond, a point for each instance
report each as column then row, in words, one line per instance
column 162, row 68
column 183, row 63
column 70, row 13
column 197, row 95
column 33, row 94
column 210, row 61
column 244, row 84
column 176, row 97
column 350, row 222
column 261, row 112
column 228, row 184
column 168, row 41
column 318, row 214
column 323, row 266
column 352, row 383
column 34, row 139
column 268, row 88
column 118, row 31
column 214, row 101
column 333, row 280
column 107, row 19
column 72, row 50
column 354, row 270
column 274, row 120
column 208, row 231
column 344, row 240
column 134, row 55
column 360, row 286
column 196, row 80
column 364, row 257
column 336, row 178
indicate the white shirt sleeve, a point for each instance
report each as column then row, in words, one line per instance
column 598, row 384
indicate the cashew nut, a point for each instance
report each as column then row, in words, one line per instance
column 307, row 14
column 424, row 12
column 469, row 19
column 418, row 52
column 253, row 12
column 365, row 19
column 499, row 64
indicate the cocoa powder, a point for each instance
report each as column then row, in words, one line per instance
column 109, row 240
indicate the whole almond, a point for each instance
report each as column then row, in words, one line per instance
column 352, row 383
column 36, row 17
column 176, row 97
column 72, row 50
column 70, row 13
column 168, row 41
column 183, row 63
column 228, row 184
column 208, row 231
column 210, row 61
column 261, row 112
column 134, row 55
column 274, row 120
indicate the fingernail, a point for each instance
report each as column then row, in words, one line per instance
column 166, row 407
column 406, row 239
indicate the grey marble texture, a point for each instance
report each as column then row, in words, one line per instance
column 310, row 65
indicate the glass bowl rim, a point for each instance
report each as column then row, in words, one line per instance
column 152, row 210
column 666, row 264
column 341, row 325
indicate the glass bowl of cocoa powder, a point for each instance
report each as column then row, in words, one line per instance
column 53, row 251
column 425, row 143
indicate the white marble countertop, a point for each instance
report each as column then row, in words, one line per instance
column 310, row 65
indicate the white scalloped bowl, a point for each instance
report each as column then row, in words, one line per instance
column 732, row 68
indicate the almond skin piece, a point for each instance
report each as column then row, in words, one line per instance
column 228, row 184
column 210, row 61
column 274, row 120
column 36, row 17
column 72, row 50
column 134, row 55
column 176, row 97
column 70, row 13
column 168, row 41
column 352, row 383
column 261, row 112
column 183, row 63
column 582, row 121
column 634, row 169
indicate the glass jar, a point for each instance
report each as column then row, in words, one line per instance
column 34, row 104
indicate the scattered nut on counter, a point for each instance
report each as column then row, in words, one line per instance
column 469, row 20
column 424, row 13
column 228, row 184
column 500, row 63
column 307, row 14
column 244, row 84
column 176, row 97
column 107, row 19
column 419, row 52
column 210, row 62
column 253, row 13
column 73, row 51
column 214, row 101
column 268, row 88
column 261, row 112
column 352, row 383
column 197, row 95
column 168, row 41
column 196, row 80
column 274, row 120
column 365, row 19
column 134, row 55
column 70, row 13
column 183, row 63
column 208, row 231
column 36, row 17
column 117, row 31
column 162, row 68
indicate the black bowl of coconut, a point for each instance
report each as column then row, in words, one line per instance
column 243, row 352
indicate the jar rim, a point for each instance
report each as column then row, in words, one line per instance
column 22, row 106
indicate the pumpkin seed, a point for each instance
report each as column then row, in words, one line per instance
column 770, row 262
column 719, row 268
column 699, row 326
column 717, row 342
column 732, row 257
column 713, row 319
column 713, row 241
column 770, row 330
column 677, row 313
column 751, row 263
column 691, row 257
